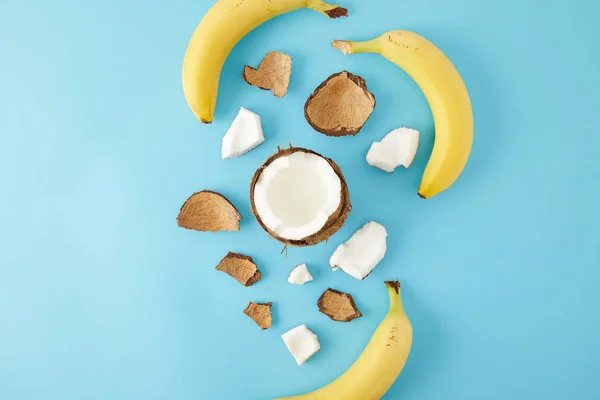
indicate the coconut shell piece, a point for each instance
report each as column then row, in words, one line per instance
column 273, row 73
column 338, row 306
column 241, row 268
column 340, row 106
column 209, row 211
column 335, row 221
column 260, row 313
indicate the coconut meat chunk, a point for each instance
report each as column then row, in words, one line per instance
column 302, row 343
column 399, row 147
column 244, row 134
column 300, row 275
column 362, row 252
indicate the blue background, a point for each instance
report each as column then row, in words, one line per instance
column 102, row 296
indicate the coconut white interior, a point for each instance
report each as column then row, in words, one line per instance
column 362, row 252
column 244, row 134
column 399, row 147
column 302, row 343
column 300, row 275
column 295, row 195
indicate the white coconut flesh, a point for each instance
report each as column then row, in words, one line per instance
column 296, row 194
column 362, row 252
column 302, row 343
column 399, row 147
column 244, row 134
column 300, row 275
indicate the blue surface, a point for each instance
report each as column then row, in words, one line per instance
column 103, row 297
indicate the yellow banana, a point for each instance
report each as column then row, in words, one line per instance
column 225, row 24
column 380, row 363
column 447, row 96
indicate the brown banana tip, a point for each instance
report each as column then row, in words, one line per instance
column 337, row 12
column 394, row 284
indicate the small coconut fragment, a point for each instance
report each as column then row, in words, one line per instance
column 260, row 313
column 273, row 73
column 302, row 343
column 299, row 197
column 209, row 211
column 340, row 106
column 241, row 268
column 362, row 252
column 300, row 275
column 338, row 306
column 244, row 134
column 399, row 147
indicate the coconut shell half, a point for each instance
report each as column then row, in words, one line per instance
column 335, row 221
column 340, row 106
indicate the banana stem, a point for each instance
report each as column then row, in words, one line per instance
column 349, row 47
column 329, row 10
column 393, row 288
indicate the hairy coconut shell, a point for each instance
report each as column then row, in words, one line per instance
column 338, row 306
column 209, row 211
column 273, row 73
column 339, row 106
column 241, row 268
column 260, row 313
column 335, row 220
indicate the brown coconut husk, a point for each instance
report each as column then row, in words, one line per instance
column 273, row 73
column 241, row 268
column 339, row 106
column 338, row 306
column 260, row 313
column 335, row 221
column 209, row 211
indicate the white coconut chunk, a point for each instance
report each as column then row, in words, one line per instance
column 300, row 275
column 399, row 147
column 302, row 343
column 361, row 254
column 296, row 194
column 379, row 157
column 244, row 134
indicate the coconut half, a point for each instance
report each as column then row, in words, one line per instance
column 299, row 197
